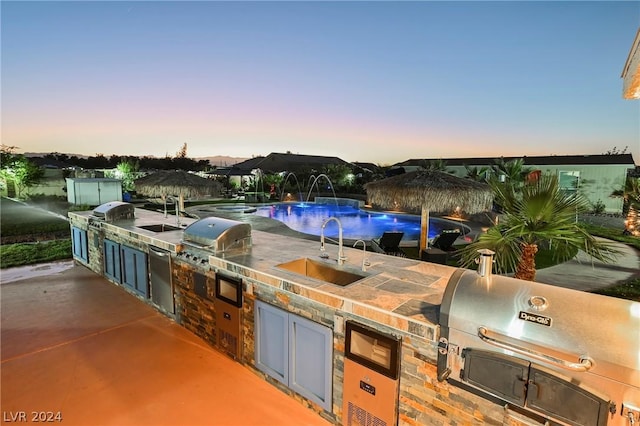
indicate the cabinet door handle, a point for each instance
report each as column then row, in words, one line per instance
column 159, row 253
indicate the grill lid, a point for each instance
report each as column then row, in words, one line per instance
column 218, row 235
column 546, row 319
column 114, row 210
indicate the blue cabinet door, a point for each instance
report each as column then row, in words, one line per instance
column 79, row 244
column 310, row 360
column 295, row 351
column 272, row 341
column 135, row 273
column 112, row 268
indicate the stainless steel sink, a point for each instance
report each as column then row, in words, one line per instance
column 321, row 271
column 160, row 227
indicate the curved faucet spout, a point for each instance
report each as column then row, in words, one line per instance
column 323, row 253
column 365, row 261
column 177, row 203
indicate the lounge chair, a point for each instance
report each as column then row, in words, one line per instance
column 444, row 241
column 388, row 244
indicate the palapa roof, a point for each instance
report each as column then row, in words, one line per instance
column 176, row 183
column 436, row 191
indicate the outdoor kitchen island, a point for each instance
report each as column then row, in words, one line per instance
column 361, row 352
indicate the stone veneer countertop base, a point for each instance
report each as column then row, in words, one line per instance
column 396, row 291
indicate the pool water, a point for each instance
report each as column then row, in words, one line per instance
column 356, row 224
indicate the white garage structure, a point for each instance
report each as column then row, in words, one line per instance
column 93, row 191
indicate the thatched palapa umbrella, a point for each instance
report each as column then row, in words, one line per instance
column 176, row 183
column 429, row 191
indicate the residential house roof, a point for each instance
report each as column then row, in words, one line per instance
column 278, row 162
column 370, row 167
column 548, row 160
column 631, row 71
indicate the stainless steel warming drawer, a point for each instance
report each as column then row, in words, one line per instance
column 557, row 355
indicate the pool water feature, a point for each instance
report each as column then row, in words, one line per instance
column 356, row 223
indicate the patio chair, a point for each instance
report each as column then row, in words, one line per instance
column 444, row 241
column 388, row 243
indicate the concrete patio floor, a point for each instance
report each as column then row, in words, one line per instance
column 75, row 344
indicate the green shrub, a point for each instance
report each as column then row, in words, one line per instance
column 598, row 207
column 28, row 254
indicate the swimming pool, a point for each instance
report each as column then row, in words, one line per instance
column 356, row 223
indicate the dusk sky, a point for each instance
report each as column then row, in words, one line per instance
column 378, row 82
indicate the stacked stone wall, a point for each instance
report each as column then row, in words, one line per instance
column 195, row 313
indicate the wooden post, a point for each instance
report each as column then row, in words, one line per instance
column 424, row 230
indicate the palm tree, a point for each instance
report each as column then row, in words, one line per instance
column 538, row 213
column 438, row 164
column 631, row 196
column 514, row 171
column 479, row 174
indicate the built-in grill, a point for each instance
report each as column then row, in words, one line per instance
column 214, row 236
column 556, row 355
column 113, row 211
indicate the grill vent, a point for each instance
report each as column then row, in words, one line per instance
column 228, row 343
column 357, row 416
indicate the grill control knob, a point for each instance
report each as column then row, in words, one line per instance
column 538, row 303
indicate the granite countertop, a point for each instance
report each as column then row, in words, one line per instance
column 168, row 240
column 404, row 288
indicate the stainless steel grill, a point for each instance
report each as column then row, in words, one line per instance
column 113, row 211
column 555, row 354
column 216, row 235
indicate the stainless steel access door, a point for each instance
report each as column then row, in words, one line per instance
column 160, row 275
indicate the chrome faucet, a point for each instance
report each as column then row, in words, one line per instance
column 323, row 253
column 177, row 203
column 365, row 261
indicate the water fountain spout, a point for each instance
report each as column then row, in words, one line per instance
column 323, row 254
column 315, row 182
column 284, row 184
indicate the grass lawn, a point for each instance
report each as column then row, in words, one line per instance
column 631, row 289
column 612, row 234
column 18, row 219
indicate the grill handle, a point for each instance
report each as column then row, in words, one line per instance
column 584, row 363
